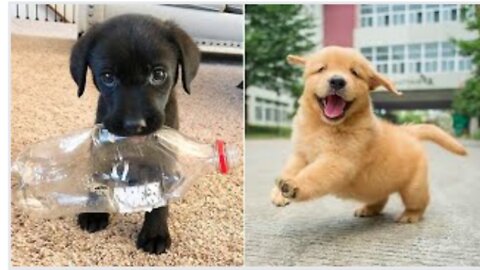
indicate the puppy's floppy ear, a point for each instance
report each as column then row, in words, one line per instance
column 79, row 59
column 189, row 56
column 296, row 60
column 378, row 79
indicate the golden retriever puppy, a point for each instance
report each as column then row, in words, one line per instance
column 342, row 148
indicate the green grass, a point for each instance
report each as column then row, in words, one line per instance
column 476, row 136
column 260, row 132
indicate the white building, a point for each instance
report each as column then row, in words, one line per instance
column 267, row 108
column 412, row 45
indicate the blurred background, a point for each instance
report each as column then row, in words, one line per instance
column 216, row 28
column 430, row 51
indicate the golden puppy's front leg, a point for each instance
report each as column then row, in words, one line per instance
column 324, row 175
column 294, row 165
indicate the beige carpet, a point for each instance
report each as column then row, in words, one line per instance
column 206, row 226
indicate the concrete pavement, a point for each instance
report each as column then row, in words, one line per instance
column 325, row 232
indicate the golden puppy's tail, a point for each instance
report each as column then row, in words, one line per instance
column 437, row 135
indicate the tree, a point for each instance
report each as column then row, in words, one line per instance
column 467, row 101
column 272, row 32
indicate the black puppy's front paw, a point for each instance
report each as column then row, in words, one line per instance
column 93, row 222
column 288, row 191
column 154, row 243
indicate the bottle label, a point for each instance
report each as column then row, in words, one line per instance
column 138, row 198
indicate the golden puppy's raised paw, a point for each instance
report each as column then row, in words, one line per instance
column 288, row 191
column 277, row 198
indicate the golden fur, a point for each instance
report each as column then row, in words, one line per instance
column 358, row 156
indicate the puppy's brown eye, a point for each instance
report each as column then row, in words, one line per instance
column 355, row 73
column 158, row 76
column 108, row 79
column 321, row 69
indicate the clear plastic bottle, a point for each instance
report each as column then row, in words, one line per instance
column 93, row 170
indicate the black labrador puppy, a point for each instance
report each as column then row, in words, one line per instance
column 135, row 61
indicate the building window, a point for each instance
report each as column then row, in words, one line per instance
column 450, row 13
column 448, row 65
column 268, row 114
column 433, row 13
column 415, row 14
column 448, row 56
column 381, row 58
column 431, row 50
column 414, row 58
column 284, row 116
column 465, row 64
column 259, row 113
column 431, row 57
column 383, row 18
column 381, row 53
column 366, row 15
column 398, row 59
column 398, row 14
column 368, row 53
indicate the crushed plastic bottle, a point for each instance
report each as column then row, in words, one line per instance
column 93, row 170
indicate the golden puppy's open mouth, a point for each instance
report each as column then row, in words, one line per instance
column 333, row 106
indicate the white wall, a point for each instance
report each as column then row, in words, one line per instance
column 434, row 81
column 377, row 36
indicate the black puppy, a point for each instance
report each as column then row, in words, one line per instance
column 135, row 62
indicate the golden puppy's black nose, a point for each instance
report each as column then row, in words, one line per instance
column 337, row 82
column 134, row 125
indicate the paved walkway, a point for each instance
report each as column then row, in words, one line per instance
column 324, row 232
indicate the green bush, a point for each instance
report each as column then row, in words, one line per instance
column 409, row 118
column 467, row 100
column 476, row 135
column 267, row 132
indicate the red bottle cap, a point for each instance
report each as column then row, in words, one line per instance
column 222, row 157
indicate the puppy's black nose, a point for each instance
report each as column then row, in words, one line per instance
column 337, row 82
column 134, row 125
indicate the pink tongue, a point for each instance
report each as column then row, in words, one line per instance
column 334, row 106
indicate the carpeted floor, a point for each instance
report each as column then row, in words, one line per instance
column 206, row 226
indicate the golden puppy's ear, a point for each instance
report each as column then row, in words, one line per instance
column 296, row 60
column 380, row 80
